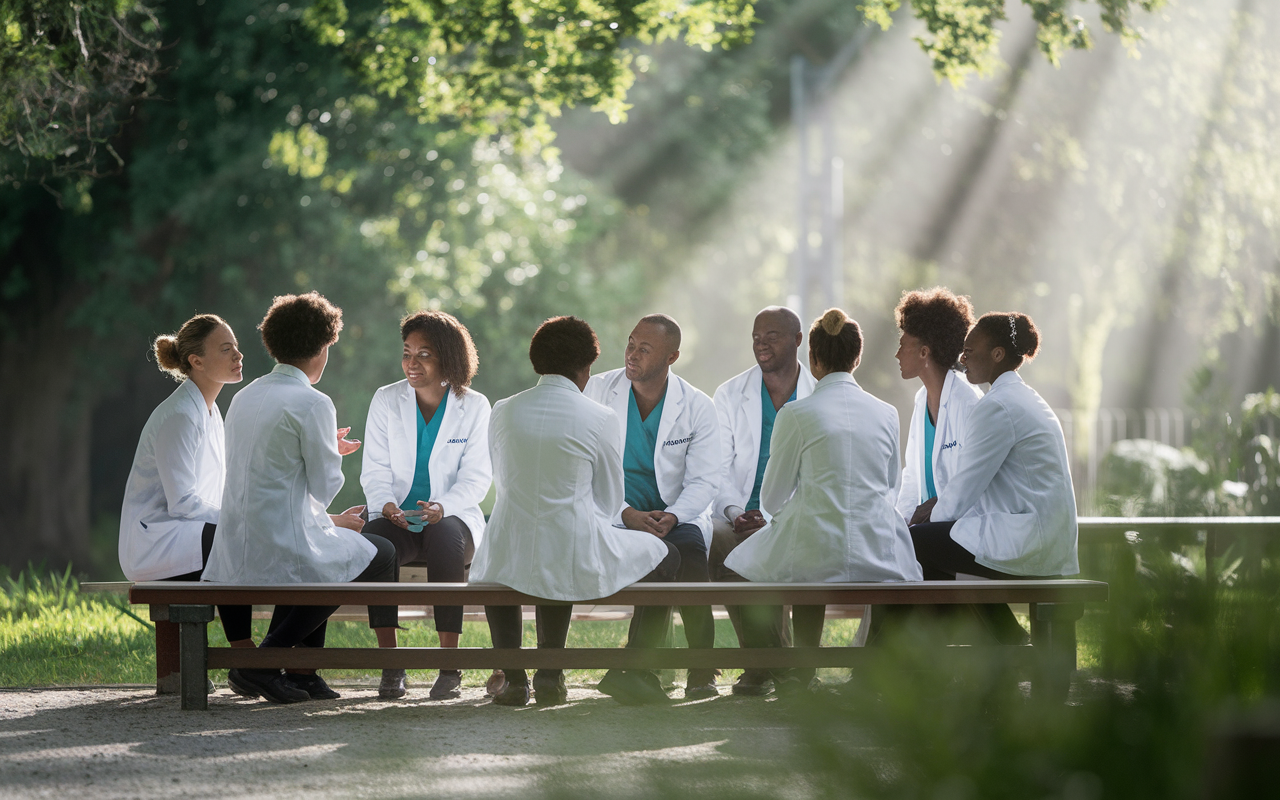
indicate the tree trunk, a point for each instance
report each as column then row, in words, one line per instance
column 45, row 458
column 1089, row 333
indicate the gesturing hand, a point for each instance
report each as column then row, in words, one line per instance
column 349, row 519
column 347, row 446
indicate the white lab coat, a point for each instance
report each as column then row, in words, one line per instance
column 283, row 470
column 687, row 459
column 958, row 399
column 459, row 461
column 738, row 407
column 558, row 471
column 1011, row 495
column 830, row 487
column 174, row 488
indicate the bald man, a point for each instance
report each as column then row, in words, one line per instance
column 747, row 405
column 671, row 465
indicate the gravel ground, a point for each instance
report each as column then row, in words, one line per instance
column 117, row 741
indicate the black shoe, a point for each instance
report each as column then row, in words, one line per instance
column 447, row 685
column 753, row 683
column 313, row 685
column 234, row 684
column 549, row 689
column 633, row 687
column 516, row 694
column 269, row 683
column 700, row 683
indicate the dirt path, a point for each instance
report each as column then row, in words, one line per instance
column 127, row 742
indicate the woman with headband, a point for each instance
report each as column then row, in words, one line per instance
column 933, row 325
column 829, row 486
column 1009, row 510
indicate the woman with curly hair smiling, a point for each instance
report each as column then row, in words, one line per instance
column 934, row 323
column 428, row 454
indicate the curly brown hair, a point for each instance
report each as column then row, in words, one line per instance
column 452, row 343
column 1015, row 332
column 563, row 346
column 939, row 319
column 835, row 341
column 298, row 326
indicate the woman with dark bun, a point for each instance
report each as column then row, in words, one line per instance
column 933, row 325
column 1008, row 510
column 829, row 488
column 284, row 467
column 172, row 498
column 427, row 452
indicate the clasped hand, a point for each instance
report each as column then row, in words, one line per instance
column 659, row 523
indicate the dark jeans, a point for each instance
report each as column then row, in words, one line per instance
column 553, row 622
column 699, row 624
column 447, row 549
column 941, row 558
column 295, row 625
column 237, row 621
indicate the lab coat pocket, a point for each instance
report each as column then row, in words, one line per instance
column 1009, row 537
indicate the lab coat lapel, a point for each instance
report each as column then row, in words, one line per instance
column 672, row 402
column 753, row 408
column 450, row 422
column 405, row 456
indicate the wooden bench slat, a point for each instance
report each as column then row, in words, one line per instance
column 664, row 594
column 569, row 658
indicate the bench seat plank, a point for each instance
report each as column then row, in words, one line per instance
column 651, row 594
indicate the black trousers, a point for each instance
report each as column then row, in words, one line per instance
column 303, row 625
column 447, row 549
column 941, row 558
column 770, row 621
column 505, row 626
column 237, row 621
column 699, row 623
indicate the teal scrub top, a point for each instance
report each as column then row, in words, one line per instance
column 641, row 482
column 427, row 433
column 767, row 415
column 928, row 455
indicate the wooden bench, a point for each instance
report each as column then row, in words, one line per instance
column 1055, row 605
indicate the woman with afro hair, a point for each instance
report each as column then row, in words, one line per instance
column 933, row 323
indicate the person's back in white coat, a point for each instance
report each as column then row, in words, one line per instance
column 558, row 474
column 830, row 488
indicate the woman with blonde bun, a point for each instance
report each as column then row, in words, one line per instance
column 172, row 497
column 830, row 488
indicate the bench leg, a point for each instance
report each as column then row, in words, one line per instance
column 1053, row 634
column 194, row 654
column 167, row 663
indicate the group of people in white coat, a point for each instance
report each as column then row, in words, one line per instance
column 791, row 474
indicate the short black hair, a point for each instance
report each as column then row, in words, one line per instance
column 1015, row 332
column 669, row 326
column 939, row 319
column 298, row 326
column 835, row 341
column 452, row 343
column 563, row 346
